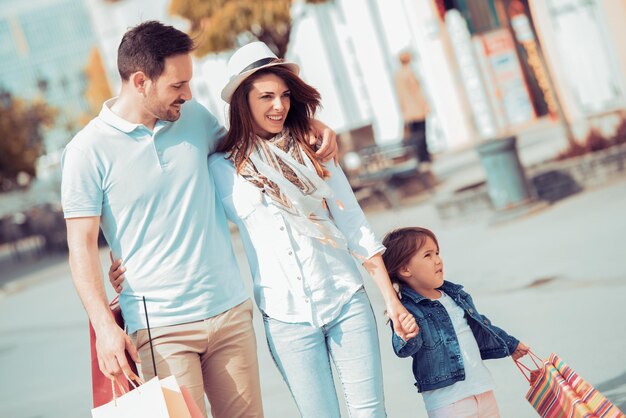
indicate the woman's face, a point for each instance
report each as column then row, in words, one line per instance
column 269, row 103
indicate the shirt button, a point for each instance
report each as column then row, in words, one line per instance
column 299, row 278
column 471, row 310
column 290, row 252
column 306, row 300
column 282, row 228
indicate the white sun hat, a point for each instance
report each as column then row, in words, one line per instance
column 246, row 61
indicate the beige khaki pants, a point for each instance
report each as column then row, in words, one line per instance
column 216, row 356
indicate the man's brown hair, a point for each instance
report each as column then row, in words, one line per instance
column 146, row 47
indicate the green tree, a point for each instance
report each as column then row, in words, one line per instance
column 216, row 24
column 22, row 124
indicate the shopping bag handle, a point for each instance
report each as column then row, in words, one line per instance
column 523, row 368
column 114, row 382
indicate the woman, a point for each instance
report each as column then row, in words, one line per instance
column 301, row 226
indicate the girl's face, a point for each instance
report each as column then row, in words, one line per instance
column 424, row 271
column 269, row 101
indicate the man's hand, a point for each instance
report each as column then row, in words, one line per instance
column 111, row 346
column 326, row 140
column 404, row 324
column 116, row 273
column 521, row 350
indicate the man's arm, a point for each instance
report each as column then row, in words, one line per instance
column 111, row 340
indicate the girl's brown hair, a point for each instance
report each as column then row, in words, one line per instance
column 402, row 244
column 305, row 100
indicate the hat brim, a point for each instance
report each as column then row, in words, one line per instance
column 234, row 82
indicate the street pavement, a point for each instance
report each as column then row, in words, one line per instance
column 556, row 279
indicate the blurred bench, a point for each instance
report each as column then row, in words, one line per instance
column 380, row 170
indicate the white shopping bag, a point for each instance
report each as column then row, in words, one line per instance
column 153, row 399
column 146, row 401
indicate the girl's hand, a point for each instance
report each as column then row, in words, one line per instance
column 521, row 350
column 116, row 273
column 404, row 324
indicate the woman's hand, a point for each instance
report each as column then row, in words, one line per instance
column 404, row 324
column 116, row 273
column 521, row 350
column 328, row 148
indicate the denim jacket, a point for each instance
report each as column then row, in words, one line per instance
column 437, row 360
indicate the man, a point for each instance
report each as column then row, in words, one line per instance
column 139, row 171
column 414, row 108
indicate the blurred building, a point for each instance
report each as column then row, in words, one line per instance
column 507, row 63
column 44, row 48
column 488, row 67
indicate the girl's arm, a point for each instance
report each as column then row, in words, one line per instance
column 512, row 343
column 351, row 221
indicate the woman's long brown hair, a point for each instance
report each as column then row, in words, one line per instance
column 305, row 100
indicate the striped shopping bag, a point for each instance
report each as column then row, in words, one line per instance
column 557, row 391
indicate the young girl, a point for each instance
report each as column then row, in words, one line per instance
column 302, row 228
column 453, row 338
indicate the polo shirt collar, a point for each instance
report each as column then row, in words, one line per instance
column 116, row 121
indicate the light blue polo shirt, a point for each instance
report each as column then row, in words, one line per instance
column 159, row 213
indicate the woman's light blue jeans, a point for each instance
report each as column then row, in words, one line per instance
column 303, row 353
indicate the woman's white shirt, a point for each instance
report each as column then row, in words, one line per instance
column 297, row 278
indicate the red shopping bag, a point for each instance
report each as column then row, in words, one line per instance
column 558, row 391
column 101, row 385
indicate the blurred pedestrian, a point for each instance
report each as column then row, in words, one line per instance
column 414, row 109
column 301, row 225
column 453, row 338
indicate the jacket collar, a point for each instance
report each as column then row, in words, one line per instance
column 451, row 289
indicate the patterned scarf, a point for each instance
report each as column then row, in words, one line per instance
column 284, row 142
column 281, row 169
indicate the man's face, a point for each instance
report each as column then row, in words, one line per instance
column 165, row 95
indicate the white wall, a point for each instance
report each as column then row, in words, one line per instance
column 580, row 53
column 354, row 74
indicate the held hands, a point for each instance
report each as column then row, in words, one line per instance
column 521, row 350
column 116, row 273
column 328, row 147
column 404, row 324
